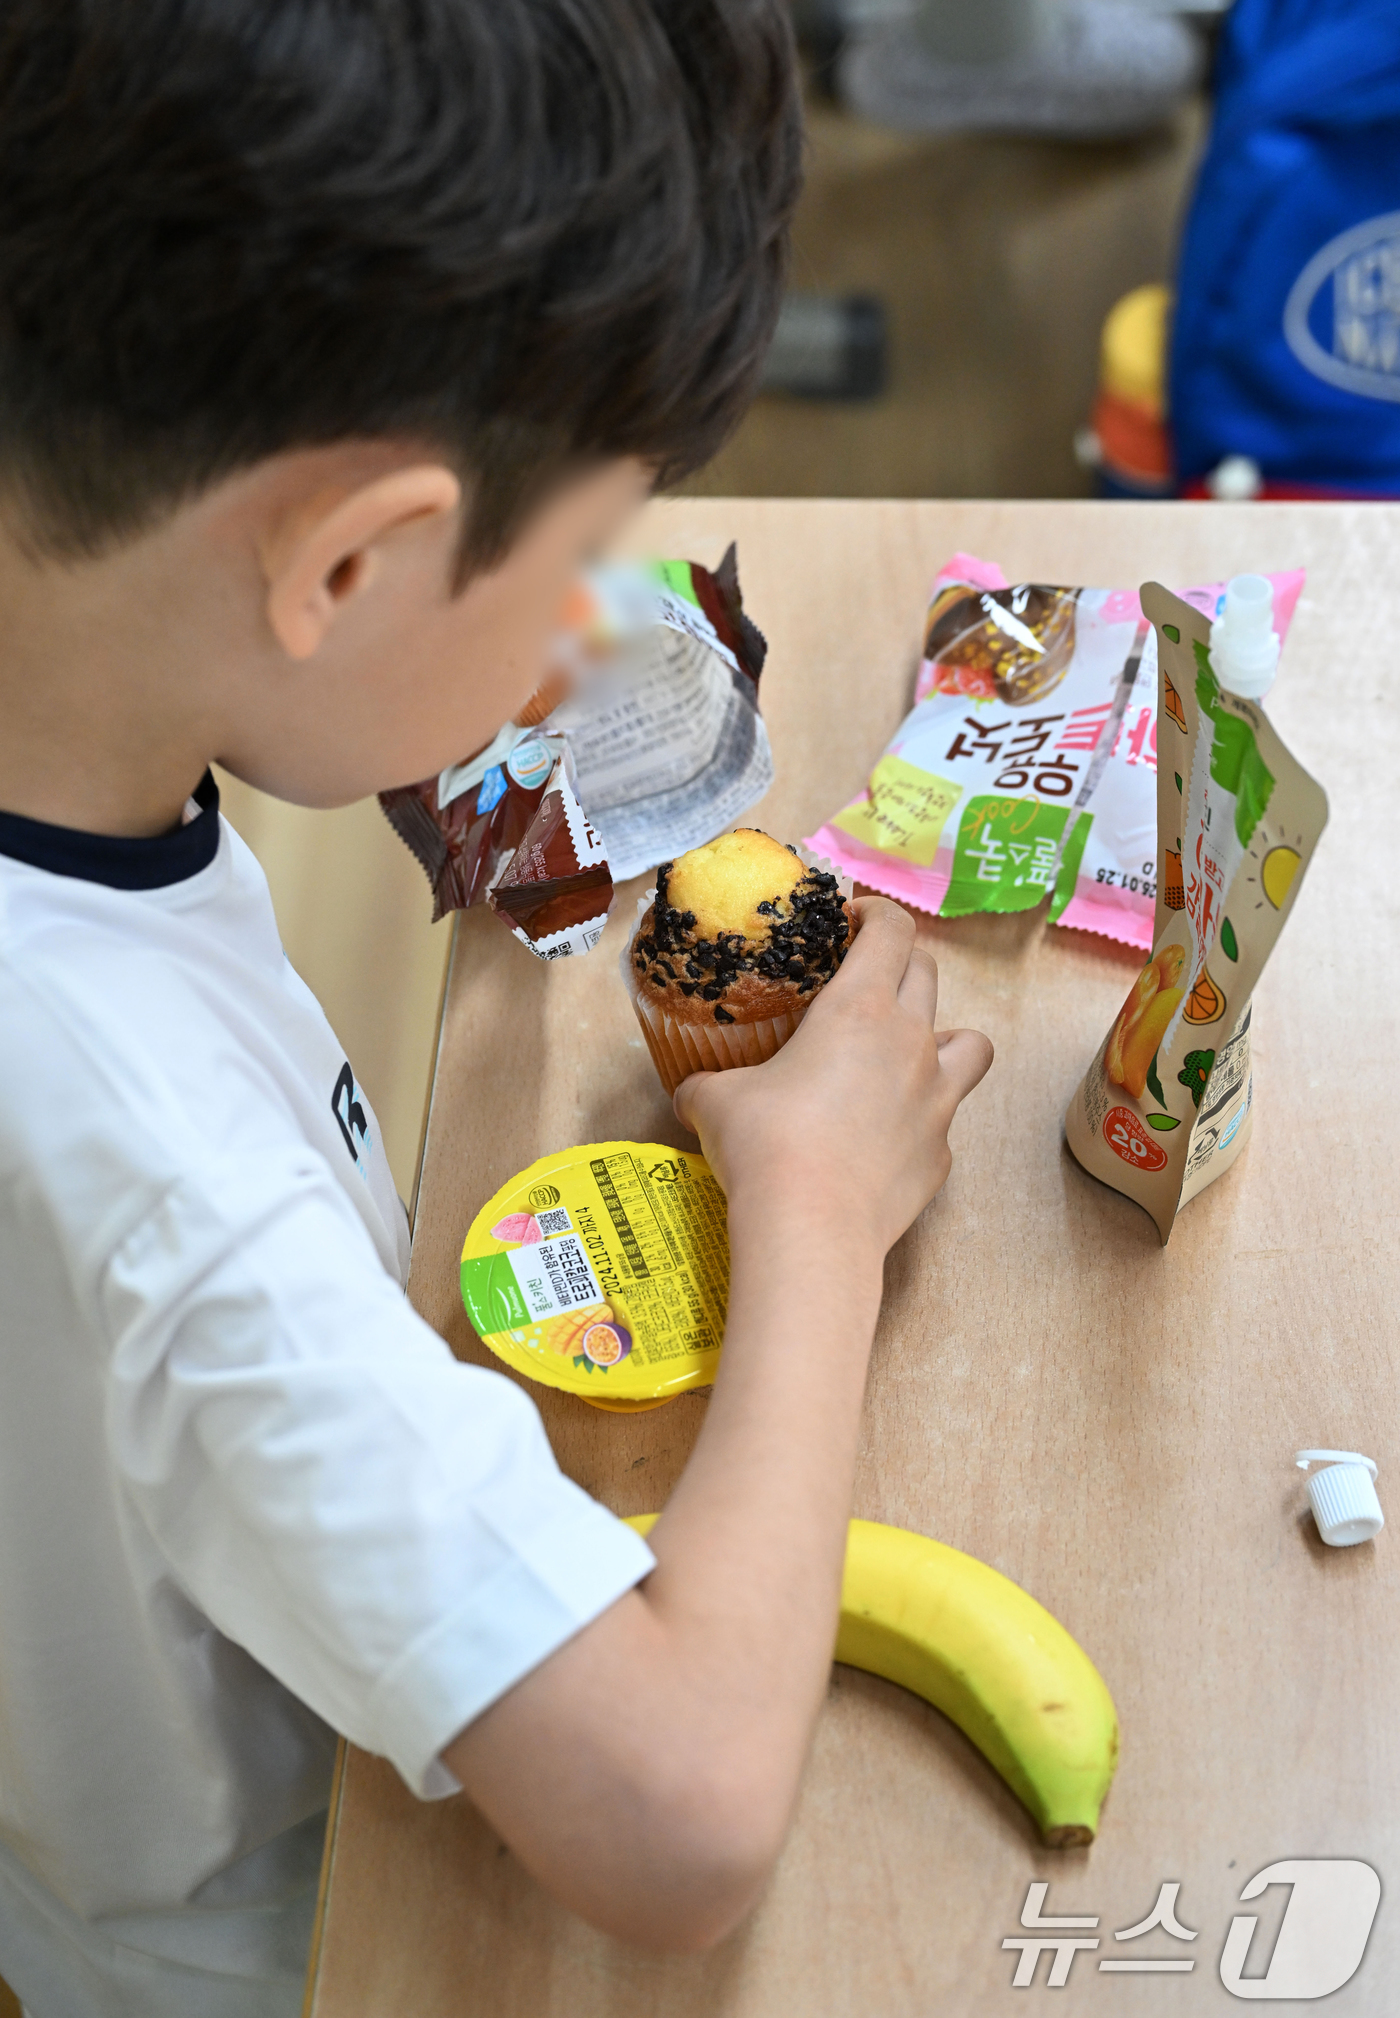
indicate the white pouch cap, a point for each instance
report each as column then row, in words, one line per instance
column 1343, row 1496
column 1244, row 645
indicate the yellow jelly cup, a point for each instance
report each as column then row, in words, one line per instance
column 604, row 1271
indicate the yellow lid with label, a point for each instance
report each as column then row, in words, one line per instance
column 604, row 1271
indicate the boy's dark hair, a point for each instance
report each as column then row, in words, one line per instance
column 534, row 232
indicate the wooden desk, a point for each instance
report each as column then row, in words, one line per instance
column 1111, row 1424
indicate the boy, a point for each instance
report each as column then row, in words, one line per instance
column 334, row 334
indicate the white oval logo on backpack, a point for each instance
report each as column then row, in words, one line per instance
column 1342, row 317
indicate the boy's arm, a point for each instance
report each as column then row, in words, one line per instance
column 646, row 1772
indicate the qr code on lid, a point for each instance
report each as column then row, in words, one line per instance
column 554, row 1222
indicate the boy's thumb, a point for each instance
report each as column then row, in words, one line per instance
column 966, row 1057
column 683, row 1100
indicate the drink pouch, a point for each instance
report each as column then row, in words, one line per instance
column 1027, row 767
column 1167, row 1104
column 649, row 720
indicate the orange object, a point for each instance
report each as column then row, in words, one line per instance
column 1133, row 438
column 1172, row 702
column 1126, row 1137
column 1130, row 412
column 1140, row 1046
column 1173, row 887
column 1207, row 1002
column 1143, row 1019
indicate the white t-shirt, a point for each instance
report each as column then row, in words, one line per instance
column 247, row 1498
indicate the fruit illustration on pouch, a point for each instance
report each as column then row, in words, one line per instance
column 1173, row 888
column 1172, row 703
column 1206, row 1002
column 1143, row 1019
column 981, row 1650
column 1276, row 876
column 1195, row 1072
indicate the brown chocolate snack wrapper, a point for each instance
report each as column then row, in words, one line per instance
column 517, row 839
column 719, row 598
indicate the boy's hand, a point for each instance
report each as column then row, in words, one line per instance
column 851, row 1118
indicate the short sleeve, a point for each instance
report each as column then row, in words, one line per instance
column 384, row 1529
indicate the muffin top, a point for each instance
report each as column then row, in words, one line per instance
column 740, row 929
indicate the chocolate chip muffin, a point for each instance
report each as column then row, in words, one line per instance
column 728, row 958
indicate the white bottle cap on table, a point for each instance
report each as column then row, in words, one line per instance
column 1343, row 1496
column 1243, row 642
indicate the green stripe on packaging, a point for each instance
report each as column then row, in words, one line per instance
column 1235, row 762
column 1004, row 857
column 677, row 577
column 492, row 1295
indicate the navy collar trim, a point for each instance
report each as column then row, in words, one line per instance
column 118, row 860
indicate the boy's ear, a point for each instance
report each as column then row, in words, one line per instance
column 323, row 555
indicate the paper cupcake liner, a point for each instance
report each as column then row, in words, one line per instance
column 678, row 1049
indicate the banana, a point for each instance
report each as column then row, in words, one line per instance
column 982, row 1651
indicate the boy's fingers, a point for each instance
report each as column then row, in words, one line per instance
column 880, row 950
column 965, row 1056
column 684, row 1100
column 919, row 988
column 692, row 1093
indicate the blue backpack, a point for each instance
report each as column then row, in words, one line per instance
column 1286, row 342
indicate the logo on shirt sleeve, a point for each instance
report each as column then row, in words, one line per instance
column 351, row 1116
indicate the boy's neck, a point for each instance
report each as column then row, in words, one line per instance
column 103, row 722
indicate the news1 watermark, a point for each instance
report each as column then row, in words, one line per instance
column 1319, row 1947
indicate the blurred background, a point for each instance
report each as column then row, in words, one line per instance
column 1047, row 248
column 986, row 260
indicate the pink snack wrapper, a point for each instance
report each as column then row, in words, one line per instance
column 1027, row 767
